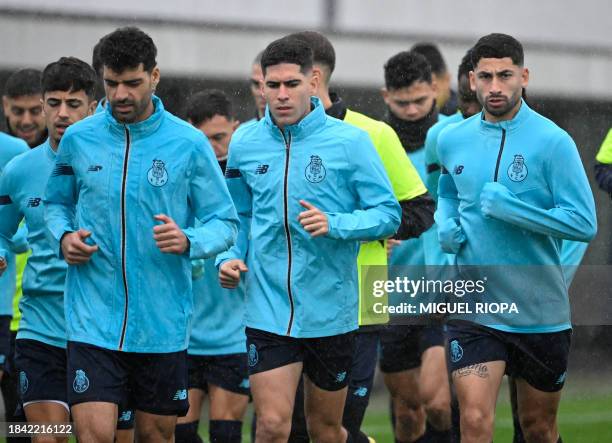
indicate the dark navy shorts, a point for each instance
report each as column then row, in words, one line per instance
column 363, row 370
column 42, row 371
column 402, row 346
column 153, row 383
column 327, row 360
column 540, row 359
column 228, row 372
column 125, row 419
column 5, row 340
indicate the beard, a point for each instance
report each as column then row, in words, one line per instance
column 134, row 115
column 500, row 111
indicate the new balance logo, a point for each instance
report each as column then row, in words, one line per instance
column 94, row 168
column 261, row 169
column 181, row 394
column 458, row 169
column 34, row 202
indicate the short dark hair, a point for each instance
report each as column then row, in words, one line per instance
column 498, row 46
column 69, row 74
column 96, row 60
column 433, row 55
column 204, row 105
column 405, row 68
column 287, row 50
column 126, row 48
column 466, row 64
column 23, row 82
column 322, row 50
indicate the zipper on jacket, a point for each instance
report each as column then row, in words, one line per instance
column 499, row 155
column 287, row 233
column 123, row 235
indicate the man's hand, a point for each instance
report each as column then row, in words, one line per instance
column 392, row 243
column 451, row 235
column 313, row 220
column 229, row 273
column 74, row 248
column 490, row 197
column 169, row 237
column 3, row 265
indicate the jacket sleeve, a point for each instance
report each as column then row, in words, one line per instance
column 573, row 215
column 417, row 217
column 243, row 201
column 60, row 196
column 450, row 232
column 10, row 215
column 379, row 212
column 211, row 204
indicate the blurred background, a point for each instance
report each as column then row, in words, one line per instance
column 206, row 43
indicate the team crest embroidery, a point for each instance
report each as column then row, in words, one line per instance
column 81, row 382
column 456, row 351
column 253, row 356
column 315, row 171
column 157, row 175
column 517, row 171
column 23, row 382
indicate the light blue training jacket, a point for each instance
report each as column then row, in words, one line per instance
column 111, row 179
column 42, row 306
column 509, row 193
column 9, row 148
column 297, row 285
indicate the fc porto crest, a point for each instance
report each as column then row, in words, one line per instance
column 23, row 382
column 315, row 171
column 157, row 175
column 253, row 355
column 517, row 171
column 456, row 351
column 81, row 382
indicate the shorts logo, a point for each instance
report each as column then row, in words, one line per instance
column 261, row 169
column 157, row 175
column 253, row 355
column 561, row 378
column 458, row 169
column 181, row 394
column 24, row 384
column 245, row 384
column 315, row 171
column 81, row 382
column 340, row 377
column 361, row 391
column 517, row 171
column 34, row 202
column 456, row 351
column 126, row 416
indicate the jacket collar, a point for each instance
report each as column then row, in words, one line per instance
column 517, row 121
column 314, row 120
column 144, row 127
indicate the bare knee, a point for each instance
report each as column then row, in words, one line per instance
column 476, row 422
column 325, row 430
column 92, row 432
column 154, row 432
column 539, row 429
column 438, row 414
column 273, row 427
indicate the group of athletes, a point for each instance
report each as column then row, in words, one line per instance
column 169, row 260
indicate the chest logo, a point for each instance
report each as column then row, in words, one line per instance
column 517, row 171
column 34, row 202
column 458, row 169
column 157, row 175
column 315, row 171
